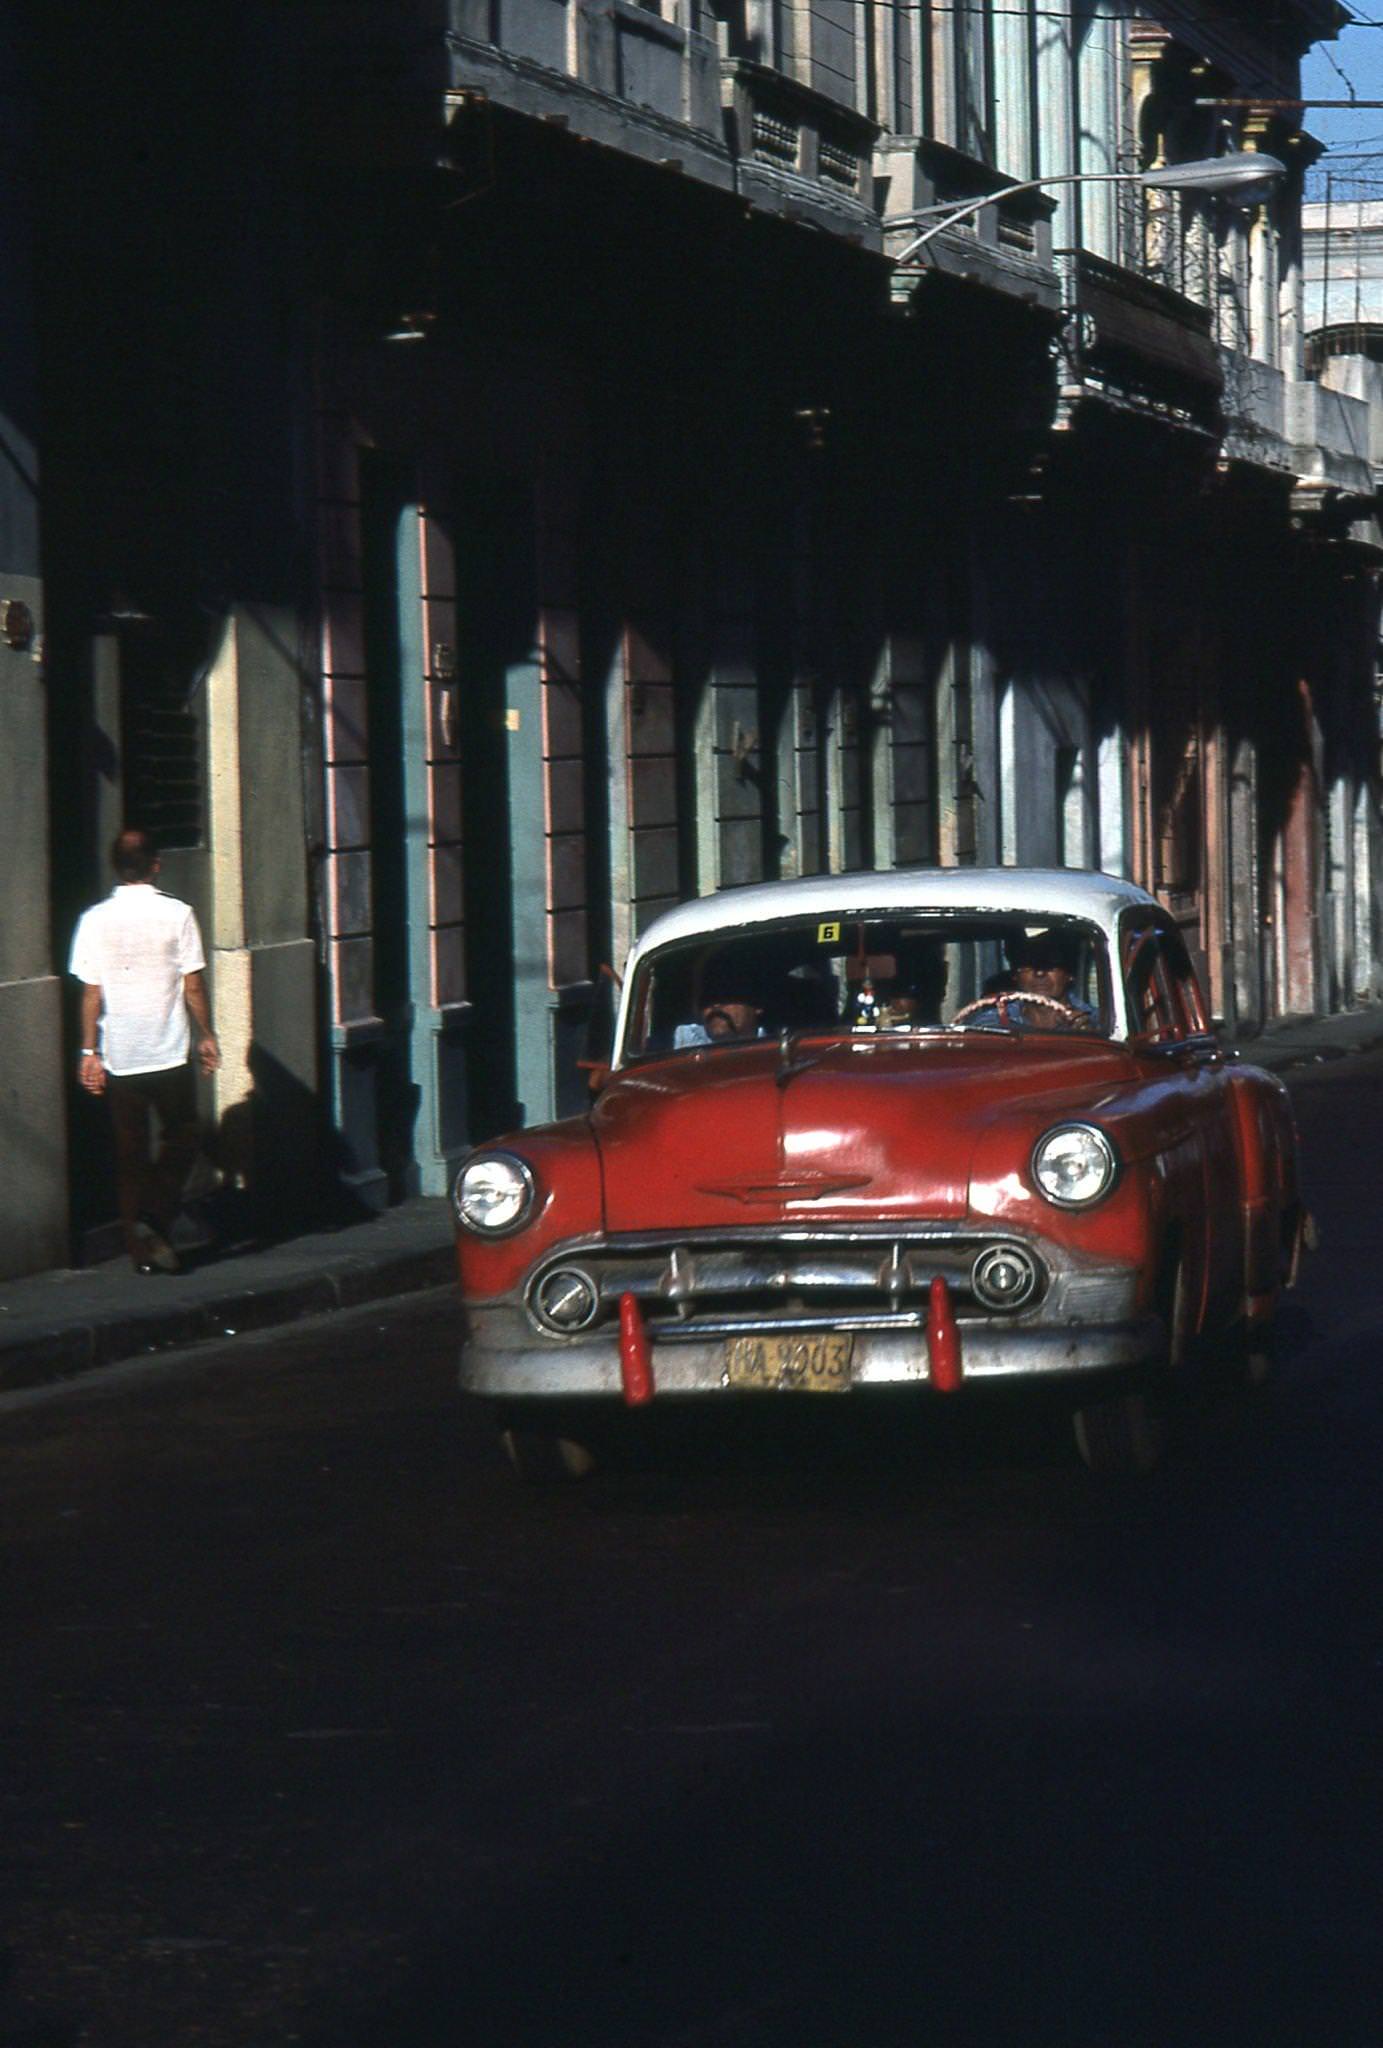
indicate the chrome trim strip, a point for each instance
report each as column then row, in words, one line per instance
column 786, row 1326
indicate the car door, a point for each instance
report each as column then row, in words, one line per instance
column 1172, row 1036
column 1224, row 1251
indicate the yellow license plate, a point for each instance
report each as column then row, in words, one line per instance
column 803, row 1365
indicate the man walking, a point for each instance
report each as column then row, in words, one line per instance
column 139, row 958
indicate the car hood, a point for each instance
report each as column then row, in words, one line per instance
column 842, row 1129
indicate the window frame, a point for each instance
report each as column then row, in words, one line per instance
column 1184, row 1018
column 1088, row 931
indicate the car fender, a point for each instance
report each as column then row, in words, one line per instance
column 1266, row 1148
column 565, row 1165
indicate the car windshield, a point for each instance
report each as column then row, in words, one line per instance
column 905, row 974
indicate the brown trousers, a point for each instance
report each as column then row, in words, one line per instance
column 150, row 1186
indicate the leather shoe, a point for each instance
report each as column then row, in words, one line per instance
column 155, row 1254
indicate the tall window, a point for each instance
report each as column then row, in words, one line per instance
column 975, row 79
column 887, row 37
column 1099, row 119
column 161, row 744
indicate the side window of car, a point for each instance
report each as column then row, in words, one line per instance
column 1154, row 1011
column 1185, row 989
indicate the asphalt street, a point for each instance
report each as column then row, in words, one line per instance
column 319, row 1729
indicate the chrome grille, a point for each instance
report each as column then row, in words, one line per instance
column 701, row 1285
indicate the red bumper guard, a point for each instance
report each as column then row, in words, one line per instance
column 943, row 1338
column 635, row 1354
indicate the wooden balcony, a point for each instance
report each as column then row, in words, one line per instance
column 1126, row 328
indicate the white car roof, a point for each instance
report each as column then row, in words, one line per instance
column 1036, row 894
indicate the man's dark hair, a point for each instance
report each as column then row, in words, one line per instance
column 133, row 855
column 1043, row 949
column 729, row 976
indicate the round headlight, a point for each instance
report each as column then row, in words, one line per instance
column 1074, row 1165
column 494, row 1192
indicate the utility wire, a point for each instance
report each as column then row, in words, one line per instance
column 1073, row 15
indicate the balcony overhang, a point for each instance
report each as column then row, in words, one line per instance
column 1132, row 318
column 800, row 153
column 659, row 135
column 1006, row 247
column 1347, row 519
column 1138, row 347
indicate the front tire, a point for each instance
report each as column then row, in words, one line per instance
column 541, row 1460
column 1125, row 1434
column 1120, row 1436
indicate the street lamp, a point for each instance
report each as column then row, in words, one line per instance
column 1243, row 174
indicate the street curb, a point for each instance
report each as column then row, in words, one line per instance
column 63, row 1351
column 1253, row 1053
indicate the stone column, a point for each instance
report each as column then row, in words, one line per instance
column 1264, row 338
column 34, row 1061
column 263, row 964
column 1147, row 45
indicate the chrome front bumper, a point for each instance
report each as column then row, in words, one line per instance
column 504, row 1358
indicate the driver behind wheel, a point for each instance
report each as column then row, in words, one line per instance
column 1044, row 964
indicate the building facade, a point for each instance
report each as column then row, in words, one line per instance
column 1042, row 547
column 33, row 1189
column 546, row 486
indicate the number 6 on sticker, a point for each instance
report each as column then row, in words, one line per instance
column 827, row 934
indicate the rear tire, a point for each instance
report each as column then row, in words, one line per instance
column 1121, row 1435
column 1126, row 1433
column 1256, row 1366
column 1248, row 1358
column 541, row 1460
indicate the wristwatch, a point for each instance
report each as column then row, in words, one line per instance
column 88, row 1052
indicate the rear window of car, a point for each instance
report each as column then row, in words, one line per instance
column 894, row 974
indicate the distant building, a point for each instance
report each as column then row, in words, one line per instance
column 1342, row 259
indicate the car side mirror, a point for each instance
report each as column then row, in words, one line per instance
column 599, row 1047
column 1224, row 1044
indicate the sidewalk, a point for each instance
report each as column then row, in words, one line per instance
column 55, row 1325
column 1306, row 1041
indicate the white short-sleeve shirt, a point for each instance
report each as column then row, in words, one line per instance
column 137, row 946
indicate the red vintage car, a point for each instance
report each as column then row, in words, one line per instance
column 914, row 1130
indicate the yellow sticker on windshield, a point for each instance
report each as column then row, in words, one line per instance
column 827, row 934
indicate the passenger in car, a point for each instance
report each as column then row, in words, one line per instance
column 729, row 1009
